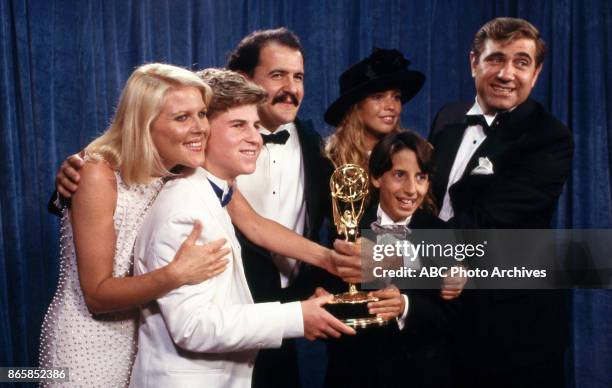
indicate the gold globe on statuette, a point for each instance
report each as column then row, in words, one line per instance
column 349, row 190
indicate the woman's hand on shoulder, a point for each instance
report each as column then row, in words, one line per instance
column 193, row 264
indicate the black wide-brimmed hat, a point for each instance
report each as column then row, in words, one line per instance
column 382, row 70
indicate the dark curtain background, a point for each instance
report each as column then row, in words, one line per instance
column 62, row 65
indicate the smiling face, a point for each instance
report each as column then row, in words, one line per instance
column 280, row 71
column 180, row 130
column 234, row 142
column 505, row 74
column 404, row 187
column 380, row 113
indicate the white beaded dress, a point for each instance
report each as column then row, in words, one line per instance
column 98, row 350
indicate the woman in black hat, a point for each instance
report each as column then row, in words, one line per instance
column 371, row 96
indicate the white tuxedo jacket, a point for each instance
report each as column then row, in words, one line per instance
column 203, row 335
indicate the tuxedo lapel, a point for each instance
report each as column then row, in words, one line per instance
column 502, row 136
column 447, row 144
column 307, row 160
column 310, row 149
column 211, row 202
column 490, row 148
column 220, row 220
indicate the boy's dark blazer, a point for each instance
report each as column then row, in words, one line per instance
column 420, row 355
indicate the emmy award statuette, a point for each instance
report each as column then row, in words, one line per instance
column 349, row 189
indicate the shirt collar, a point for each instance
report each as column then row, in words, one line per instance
column 386, row 220
column 477, row 110
column 221, row 183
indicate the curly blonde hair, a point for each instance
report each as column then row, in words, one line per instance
column 127, row 144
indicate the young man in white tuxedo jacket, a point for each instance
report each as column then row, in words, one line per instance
column 208, row 334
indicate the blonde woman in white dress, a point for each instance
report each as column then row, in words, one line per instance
column 91, row 324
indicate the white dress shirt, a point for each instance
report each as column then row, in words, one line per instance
column 276, row 191
column 473, row 137
column 386, row 220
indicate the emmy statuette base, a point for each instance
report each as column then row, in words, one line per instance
column 352, row 310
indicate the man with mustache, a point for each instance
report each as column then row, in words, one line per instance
column 501, row 162
column 289, row 185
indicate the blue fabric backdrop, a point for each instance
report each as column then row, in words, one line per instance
column 62, row 65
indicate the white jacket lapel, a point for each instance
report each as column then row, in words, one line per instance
column 221, row 220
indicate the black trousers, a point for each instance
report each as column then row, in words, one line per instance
column 276, row 367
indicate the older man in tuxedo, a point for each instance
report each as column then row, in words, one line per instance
column 501, row 162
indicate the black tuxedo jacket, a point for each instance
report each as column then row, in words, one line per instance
column 531, row 153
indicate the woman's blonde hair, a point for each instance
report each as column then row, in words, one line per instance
column 127, row 144
column 348, row 143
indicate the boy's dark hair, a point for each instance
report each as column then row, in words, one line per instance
column 245, row 57
column 381, row 159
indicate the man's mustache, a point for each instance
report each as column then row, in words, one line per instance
column 283, row 97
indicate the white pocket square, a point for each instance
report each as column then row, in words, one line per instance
column 485, row 167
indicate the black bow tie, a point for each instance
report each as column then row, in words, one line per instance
column 478, row 120
column 500, row 118
column 276, row 137
column 219, row 192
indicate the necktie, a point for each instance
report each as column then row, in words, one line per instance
column 276, row 137
column 219, row 192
